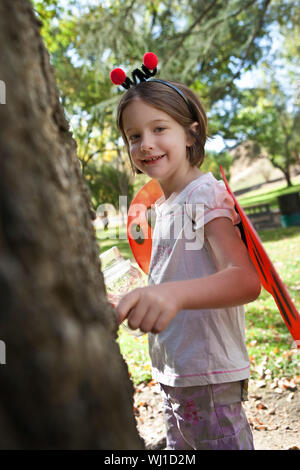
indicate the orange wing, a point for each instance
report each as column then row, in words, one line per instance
column 139, row 230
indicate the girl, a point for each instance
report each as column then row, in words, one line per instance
column 193, row 305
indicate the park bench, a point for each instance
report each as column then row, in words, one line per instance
column 261, row 216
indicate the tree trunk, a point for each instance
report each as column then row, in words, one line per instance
column 64, row 384
column 288, row 178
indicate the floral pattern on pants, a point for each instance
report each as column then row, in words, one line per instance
column 209, row 417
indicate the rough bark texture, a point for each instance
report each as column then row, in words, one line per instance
column 64, row 384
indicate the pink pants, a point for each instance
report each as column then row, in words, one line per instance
column 209, row 417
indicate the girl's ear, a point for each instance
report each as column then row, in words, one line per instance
column 194, row 128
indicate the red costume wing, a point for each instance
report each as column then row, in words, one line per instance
column 269, row 277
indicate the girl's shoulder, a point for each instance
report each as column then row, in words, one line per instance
column 206, row 190
column 213, row 195
column 181, row 197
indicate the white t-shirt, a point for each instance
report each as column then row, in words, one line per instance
column 198, row 347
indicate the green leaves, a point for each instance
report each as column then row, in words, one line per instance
column 207, row 45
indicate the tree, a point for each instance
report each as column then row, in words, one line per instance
column 107, row 184
column 267, row 116
column 268, row 112
column 64, row 384
column 213, row 161
column 205, row 44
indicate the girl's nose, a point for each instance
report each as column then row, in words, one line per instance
column 146, row 144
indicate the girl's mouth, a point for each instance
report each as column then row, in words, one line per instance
column 153, row 160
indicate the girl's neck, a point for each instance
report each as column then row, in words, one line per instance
column 176, row 185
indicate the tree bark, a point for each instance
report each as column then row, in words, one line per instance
column 65, row 384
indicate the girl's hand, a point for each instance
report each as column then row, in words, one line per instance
column 149, row 308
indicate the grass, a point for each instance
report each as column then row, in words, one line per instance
column 267, row 337
column 266, row 196
column 135, row 351
column 114, row 237
column 268, row 340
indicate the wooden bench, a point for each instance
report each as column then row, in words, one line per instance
column 261, row 216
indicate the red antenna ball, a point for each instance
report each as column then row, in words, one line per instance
column 117, row 76
column 150, row 60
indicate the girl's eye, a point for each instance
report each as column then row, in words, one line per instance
column 134, row 137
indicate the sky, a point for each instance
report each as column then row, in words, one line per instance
column 248, row 79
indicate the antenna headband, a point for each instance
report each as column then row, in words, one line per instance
column 118, row 77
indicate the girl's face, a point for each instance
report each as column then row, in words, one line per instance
column 157, row 142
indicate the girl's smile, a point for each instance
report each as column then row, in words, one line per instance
column 153, row 160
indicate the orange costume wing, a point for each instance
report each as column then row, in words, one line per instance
column 140, row 217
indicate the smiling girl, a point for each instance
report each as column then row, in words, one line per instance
column 193, row 305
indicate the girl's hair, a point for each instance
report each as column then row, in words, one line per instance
column 168, row 100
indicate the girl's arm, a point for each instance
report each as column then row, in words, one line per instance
column 235, row 283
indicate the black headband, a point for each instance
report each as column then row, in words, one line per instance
column 188, row 103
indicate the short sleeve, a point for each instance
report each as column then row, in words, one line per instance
column 210, row 200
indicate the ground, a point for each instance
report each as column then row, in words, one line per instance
column 273, row 411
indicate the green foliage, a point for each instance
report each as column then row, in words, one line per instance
column 46, row 11
column 266, row 116
column 135, row 351
column 267, row 197
column 107, row 184
column 204, row 44
column 212, row 163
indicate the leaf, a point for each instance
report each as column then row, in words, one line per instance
column 152, row 382
column 261, row 406
column 261, row 383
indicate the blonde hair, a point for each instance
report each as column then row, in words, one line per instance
column 169, row 100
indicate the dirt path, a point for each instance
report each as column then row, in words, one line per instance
column 273, row 411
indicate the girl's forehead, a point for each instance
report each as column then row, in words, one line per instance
column 139, row 112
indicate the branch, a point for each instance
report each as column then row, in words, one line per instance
column 85, row 162
column 188, row 32
column 254, row 34
column 216, row 26
column 228, row 85
column 225, row 18
column 276, row 164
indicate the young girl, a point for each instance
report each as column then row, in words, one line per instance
column 192, row 307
